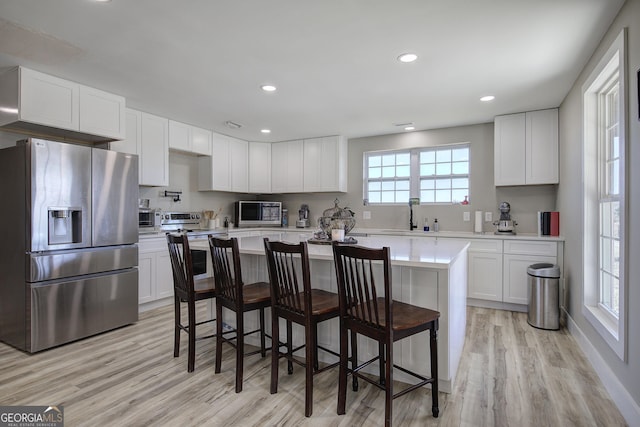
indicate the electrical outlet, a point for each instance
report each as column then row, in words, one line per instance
column 488, row 216
column 466, row 216
column 366, row 214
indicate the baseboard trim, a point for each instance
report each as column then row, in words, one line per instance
column 619, row 394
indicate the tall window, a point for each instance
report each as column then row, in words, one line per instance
column 604, row 178
column 434, row 174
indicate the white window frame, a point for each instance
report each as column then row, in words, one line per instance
column 414, row 177
column 613, row 330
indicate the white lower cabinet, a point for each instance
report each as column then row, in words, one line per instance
column 518, row 256
column 155, row 280
column 498, row 268
column 485, row 270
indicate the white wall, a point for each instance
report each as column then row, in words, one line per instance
column 183, row 176
column 570, row 203
column 525, row 201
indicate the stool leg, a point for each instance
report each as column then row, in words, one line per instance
column 289, row 348
column 239, row 350
column 263, row 351
column 176, row 333
column 275, row 350
column 381, row 362
column 388, row 398
column 310, row 362
column 192, row 336
column 342, row 373
column 433, row 347
column 218, row 336
column 354, row 359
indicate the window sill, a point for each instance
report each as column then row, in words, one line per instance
column 606, row 327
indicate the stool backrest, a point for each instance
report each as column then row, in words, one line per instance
column 227, row 273
column 289, row 276
column 181, row 264
column 357, row 270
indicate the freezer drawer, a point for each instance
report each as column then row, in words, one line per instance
column 52, row 265
column 64, row 311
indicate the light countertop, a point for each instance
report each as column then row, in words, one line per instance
column 413, row 251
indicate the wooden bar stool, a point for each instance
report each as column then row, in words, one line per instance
column 186, row 289
column 293, row 299
column 380, row 318
column 233, row 294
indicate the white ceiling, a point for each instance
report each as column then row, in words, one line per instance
column 333, row 61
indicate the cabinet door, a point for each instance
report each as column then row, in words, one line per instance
column 325, row 164
column 154, row 153
column 146, row 277
column 542, row 147
column 48, row 100
column 515, row 276
column 102, row 113
column 213, row 172
column 485, row 276
column 201, row 141
column 286, row 167
column 179, row 136
column 312, row 164
column 239, row 163
column 164, row 275
column 509, row 149
column 131, row 143
column 259, row 167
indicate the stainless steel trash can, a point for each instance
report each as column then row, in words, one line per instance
column 544, row 296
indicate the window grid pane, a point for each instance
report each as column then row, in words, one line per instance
column 439, row 174
column 609, row 189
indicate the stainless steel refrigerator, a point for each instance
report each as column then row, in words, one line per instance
column 69, row 255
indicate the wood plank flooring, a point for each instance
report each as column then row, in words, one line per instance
column 510, row 375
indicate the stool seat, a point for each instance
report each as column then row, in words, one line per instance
column 255, row 293
column 406, row 317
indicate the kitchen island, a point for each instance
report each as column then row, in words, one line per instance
column 426, row 272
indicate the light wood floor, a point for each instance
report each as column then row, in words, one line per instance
column 510, row 375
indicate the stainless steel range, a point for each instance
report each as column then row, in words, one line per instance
column 69, row 255
column 189, row 223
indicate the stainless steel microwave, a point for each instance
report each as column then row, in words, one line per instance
column 256, row 213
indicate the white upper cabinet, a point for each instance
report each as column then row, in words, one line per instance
column 260, row 167
column 286, row 167
column 542, row 147
column 201, row 140
column 526, row 148
column 56, row 107
column 325, row 164
column 227, row 167
column 148, row 137
column 189, row 139
column 48, row 100
column 102, row 113
column 154, row 150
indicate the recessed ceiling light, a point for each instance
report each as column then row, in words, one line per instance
column 410, row 128
column 487, row 98
column 268, row 88
column 102, row 1
column 265, row 130
column 407, row 57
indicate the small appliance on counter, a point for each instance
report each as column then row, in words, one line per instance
column 505, row 225
column 254, row 213
column 303, row 220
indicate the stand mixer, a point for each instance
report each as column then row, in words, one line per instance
column 303, row 217
column 505, row 225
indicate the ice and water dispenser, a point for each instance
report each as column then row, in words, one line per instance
column 65, row 225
